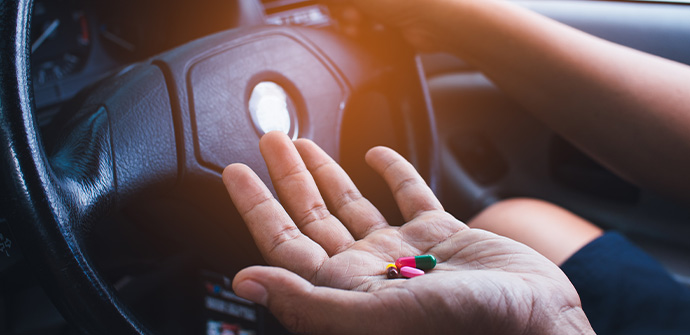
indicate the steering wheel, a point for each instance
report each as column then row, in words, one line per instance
column 168, row 126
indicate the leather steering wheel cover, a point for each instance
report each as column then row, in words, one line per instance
column 39, row 210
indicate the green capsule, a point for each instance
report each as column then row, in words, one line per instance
column 423, row 262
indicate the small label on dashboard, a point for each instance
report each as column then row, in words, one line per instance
column 314, row 15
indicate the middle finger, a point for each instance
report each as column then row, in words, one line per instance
column 357, row 213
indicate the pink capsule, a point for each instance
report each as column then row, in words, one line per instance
column 410, row 272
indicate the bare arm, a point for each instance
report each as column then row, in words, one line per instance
column 628, row 109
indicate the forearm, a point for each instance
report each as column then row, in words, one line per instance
column 628, row 109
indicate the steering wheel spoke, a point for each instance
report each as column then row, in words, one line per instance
column 120, row 143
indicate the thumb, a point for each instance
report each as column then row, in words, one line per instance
column 304, row 308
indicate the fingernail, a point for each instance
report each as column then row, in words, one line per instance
column 251, row 290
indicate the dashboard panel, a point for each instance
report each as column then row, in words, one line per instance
column 61, row 40
column 76, row 42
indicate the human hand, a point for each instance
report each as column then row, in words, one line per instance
column 329, row 275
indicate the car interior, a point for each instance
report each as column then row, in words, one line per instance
column 128, row 111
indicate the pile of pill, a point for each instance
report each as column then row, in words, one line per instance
column 410, row 267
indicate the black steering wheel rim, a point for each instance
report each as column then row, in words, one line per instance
column 48, row 204
column 38, row 210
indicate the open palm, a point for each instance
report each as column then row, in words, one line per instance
column 330, row 264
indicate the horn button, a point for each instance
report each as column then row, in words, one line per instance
column 271, row 108
column 272, row 82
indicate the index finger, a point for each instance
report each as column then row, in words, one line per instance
column 275, row 234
